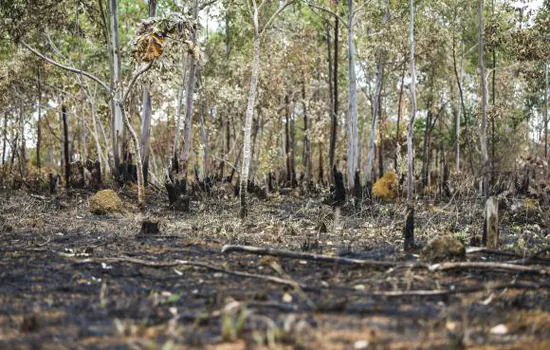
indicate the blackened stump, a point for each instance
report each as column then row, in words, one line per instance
column 408, row 230
column 339, row 188
column 149, row 227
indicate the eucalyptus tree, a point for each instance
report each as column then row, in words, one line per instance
column 408, row 230
column 483, row 133
column 254, row 10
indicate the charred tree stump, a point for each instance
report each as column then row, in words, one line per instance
column 96, row 175
column 177, row 195
column 490, row 228
column 339, row 188
column 357, row 188
column 149, row 227
column 408, row 230
column 53, row 182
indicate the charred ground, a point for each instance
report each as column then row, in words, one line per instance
column 61, row 287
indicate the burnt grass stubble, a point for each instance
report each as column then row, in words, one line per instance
column 51, row 299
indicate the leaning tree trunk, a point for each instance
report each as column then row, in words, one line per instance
column 408, row 230
column 353, row 137
column 483, row 134
column 248, row 118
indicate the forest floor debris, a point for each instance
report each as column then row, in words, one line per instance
column 71, row 278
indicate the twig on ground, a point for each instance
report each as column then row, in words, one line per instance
column 465, row 290
column 317, row 257
column 506, row 267
column 533, row 258
column 521, row 261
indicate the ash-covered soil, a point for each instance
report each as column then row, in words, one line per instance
column 61, row 288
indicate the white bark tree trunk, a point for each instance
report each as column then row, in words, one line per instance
column 146, row 111
column 248, row 117
column 353, row 137
column 409, row 225
column 117, row 124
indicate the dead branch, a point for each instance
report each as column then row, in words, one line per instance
column 506, row 267
column 160, row 264
column 317, row 257
column 465, row 290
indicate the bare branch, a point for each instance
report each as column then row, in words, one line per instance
column 344, row 21
column 134, row 78
column 160, row 264
column 316, row 257
column 279, row 10
column 70, row 69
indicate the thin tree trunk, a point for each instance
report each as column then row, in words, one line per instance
column 67, row 164
column 463, row 108
column 399, row 112
column 5, row 138
column 117, row 127
column 188, row 135
column 204, row 144
column 288, row 144
column 249, row 116
column 307, row 144
column 146, row 112
column 23, row 147
column 408, row 230
column 546, row 111
column 427, row 131
column 493, row 97
column 353, row 137
column 39, row 122
column 175, row 148
column 483, row 134
column 334, row 124
column 376, row 106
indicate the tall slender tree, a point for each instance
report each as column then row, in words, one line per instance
column 408, row 230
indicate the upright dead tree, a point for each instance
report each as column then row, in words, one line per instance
column 408, row 230
column 254, row 12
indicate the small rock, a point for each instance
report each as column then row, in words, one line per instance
column 105, row 202
column 443, row 248
column 361, row 344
